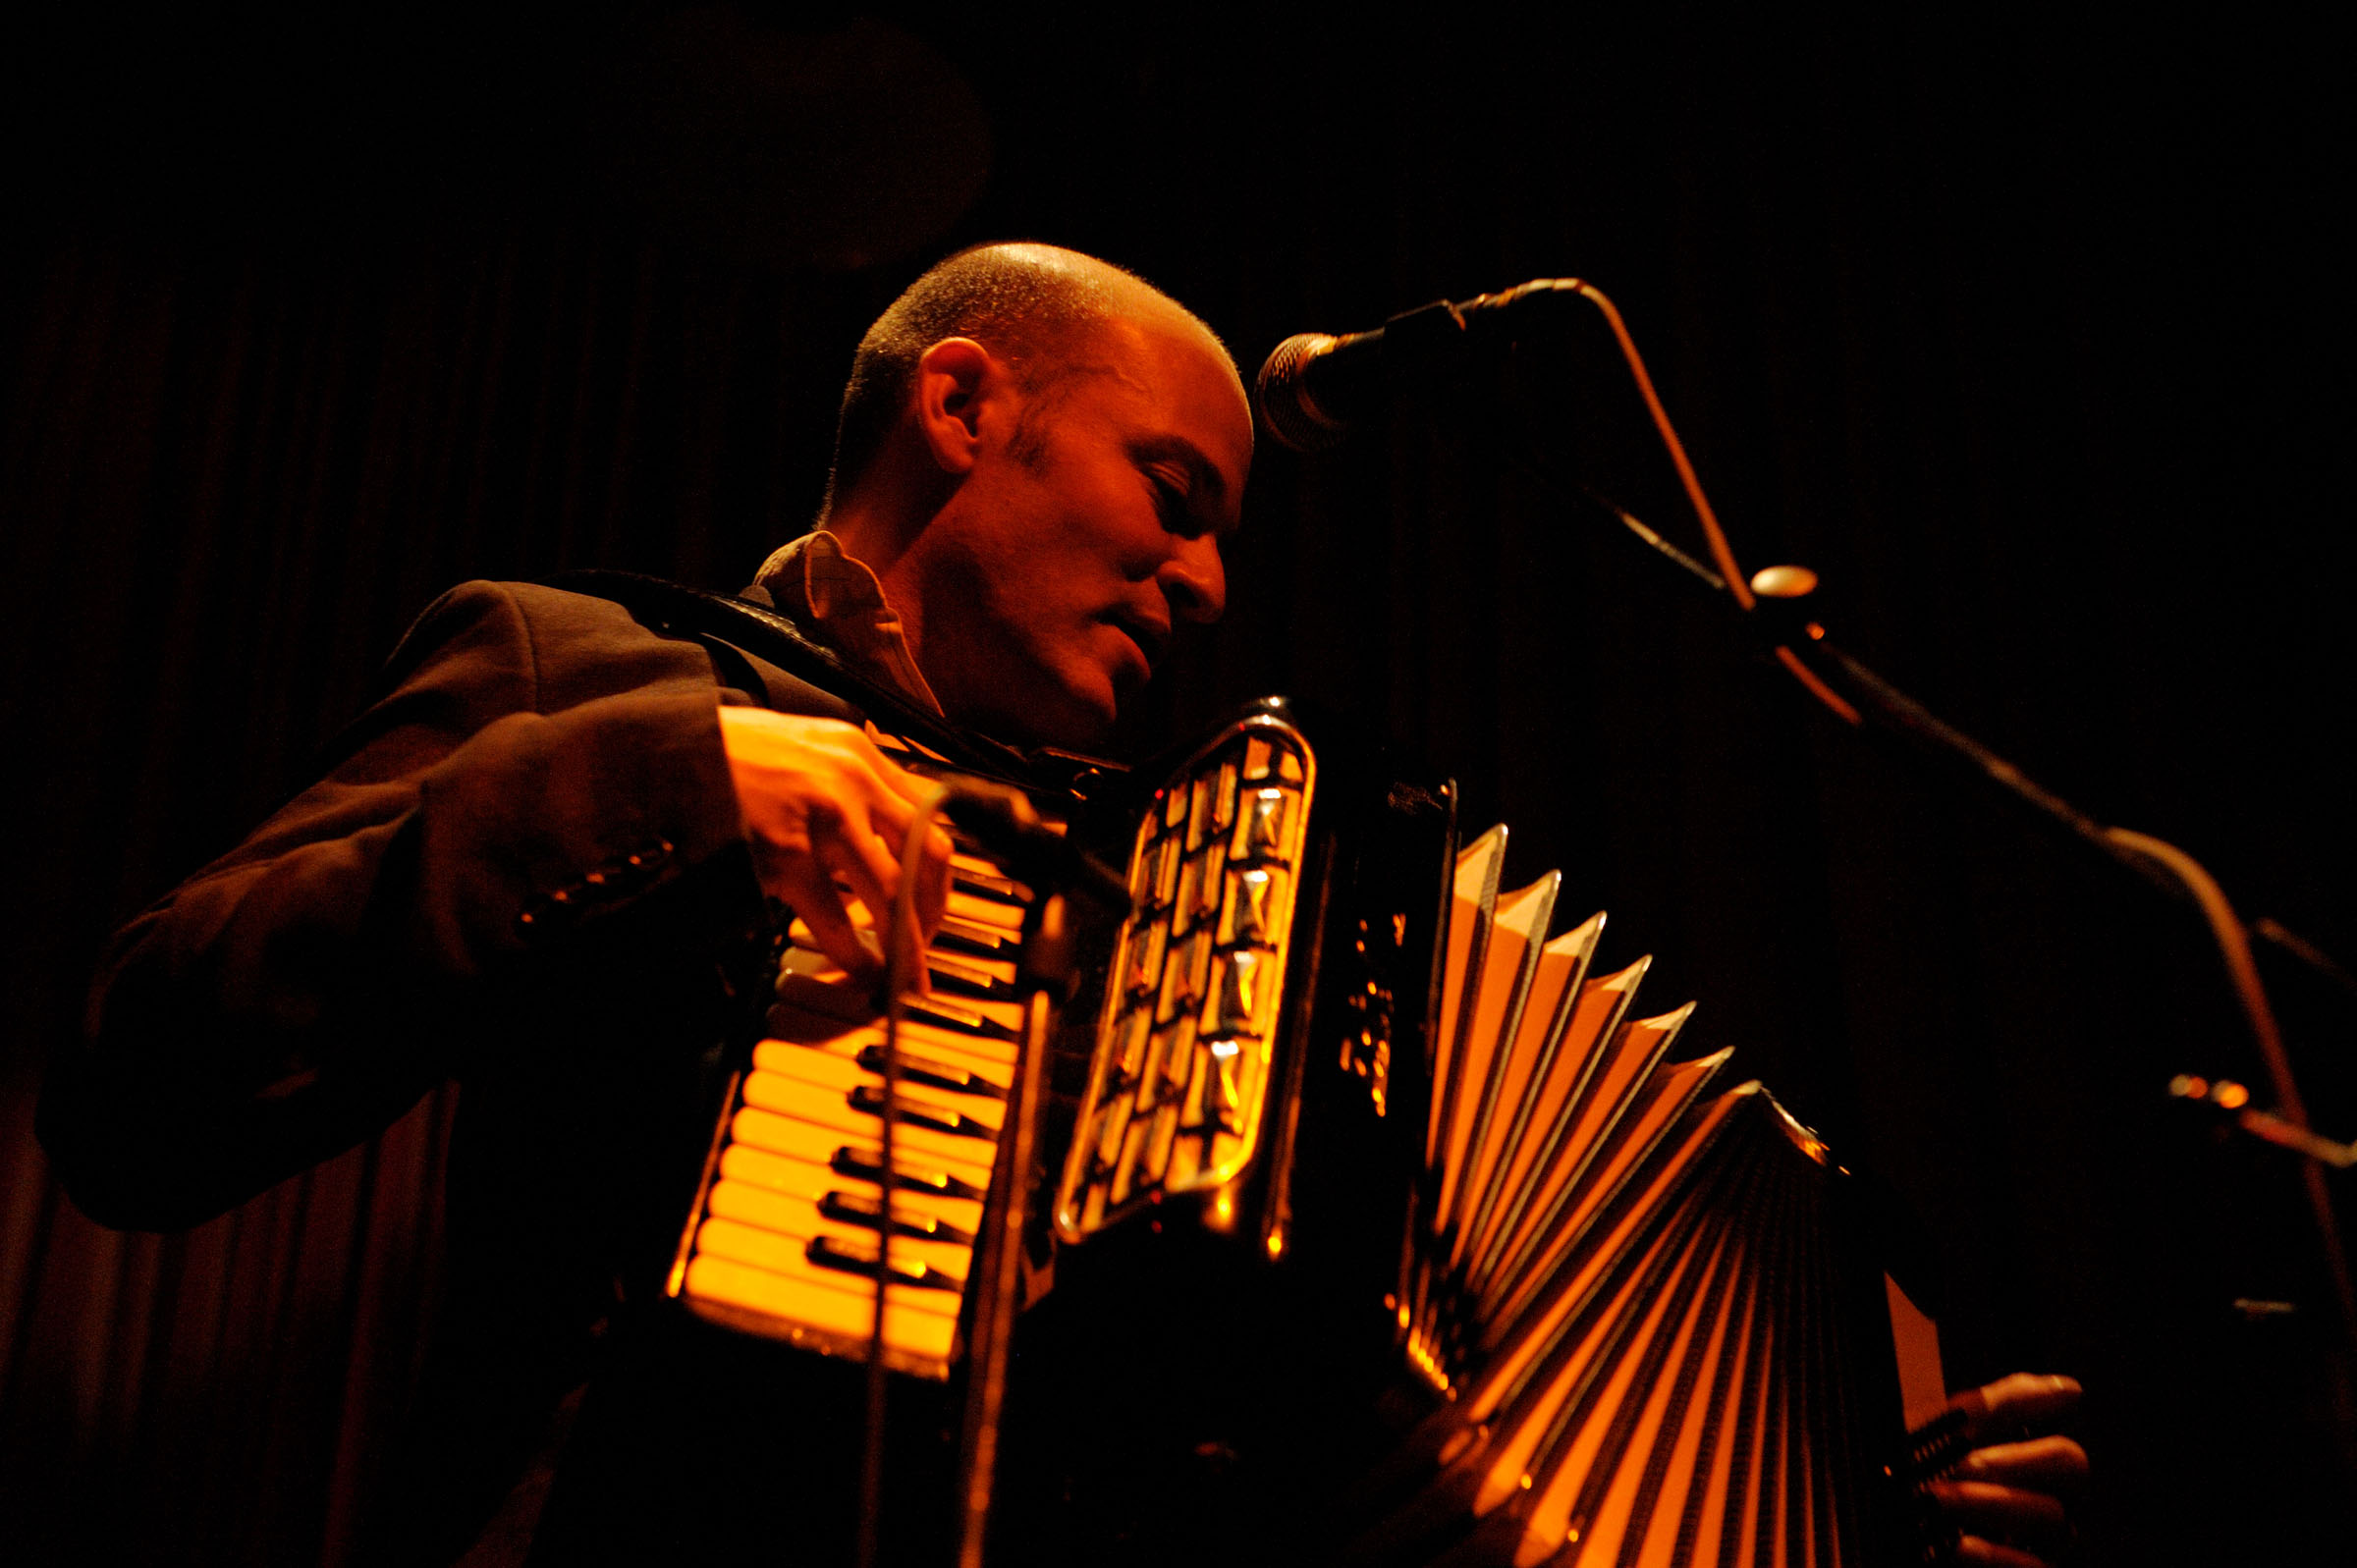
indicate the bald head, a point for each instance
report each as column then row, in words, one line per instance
column 1039, row 457
column 1038, row 308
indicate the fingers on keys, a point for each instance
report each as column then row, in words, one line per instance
column 829, row 815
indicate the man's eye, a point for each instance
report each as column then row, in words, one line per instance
column 1170, row 501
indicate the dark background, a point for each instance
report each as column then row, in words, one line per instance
column 2029, row 336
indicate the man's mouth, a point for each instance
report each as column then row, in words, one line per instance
column 1151, row 640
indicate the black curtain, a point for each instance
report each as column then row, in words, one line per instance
column 2027, row 340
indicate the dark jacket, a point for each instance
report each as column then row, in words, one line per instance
column 525, row 870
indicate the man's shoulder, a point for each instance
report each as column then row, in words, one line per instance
column 482, row 607
column 533, row 608
column 581, row 645
column 544, row 635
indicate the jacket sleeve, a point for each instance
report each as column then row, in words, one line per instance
column 539, row 766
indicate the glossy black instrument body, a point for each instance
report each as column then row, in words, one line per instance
column 1188, row 1389
column 1178, row 1389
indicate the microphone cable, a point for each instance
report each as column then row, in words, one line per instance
column 901, row 940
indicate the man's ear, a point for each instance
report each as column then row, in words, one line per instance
column 956, row 380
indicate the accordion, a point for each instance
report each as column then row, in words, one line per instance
column 1378, row 1224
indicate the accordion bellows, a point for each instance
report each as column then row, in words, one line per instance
column 1624, row 1288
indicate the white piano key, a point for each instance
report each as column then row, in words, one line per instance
column 843, row 1077
column 812, row 1180
column 998, row 914
column 943, row 1054
column 801, row 1139
column 798, row 1221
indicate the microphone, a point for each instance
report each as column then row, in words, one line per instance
column 1315, row 387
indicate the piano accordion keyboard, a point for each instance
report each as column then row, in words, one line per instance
column 781, row 1240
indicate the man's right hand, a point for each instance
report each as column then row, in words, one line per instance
column 828, row 814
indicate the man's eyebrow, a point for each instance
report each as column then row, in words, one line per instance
column 1177, row 449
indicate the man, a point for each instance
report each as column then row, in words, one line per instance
column 544, row 860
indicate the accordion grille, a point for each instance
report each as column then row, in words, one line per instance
column 1178, row 1080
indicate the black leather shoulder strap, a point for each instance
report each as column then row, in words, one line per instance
column 675, row 608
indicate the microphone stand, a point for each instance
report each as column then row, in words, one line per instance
column 1307, row 373
column 1780, row 621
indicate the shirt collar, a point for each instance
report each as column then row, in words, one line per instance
column 839, row 601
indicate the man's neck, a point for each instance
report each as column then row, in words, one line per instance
column 837, row 597
column 877, row 538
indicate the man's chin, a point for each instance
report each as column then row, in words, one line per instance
column 1075, row 727
column 1074, row 719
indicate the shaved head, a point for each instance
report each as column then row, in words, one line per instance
column 1040, row 454
column 1039, row 308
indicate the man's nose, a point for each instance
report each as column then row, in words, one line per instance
column 1194, row 581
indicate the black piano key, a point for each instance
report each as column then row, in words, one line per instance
column 867, row 1164
column 852, row 1208
column 870, row 1099
column 915, row 1068
column 827, row 1253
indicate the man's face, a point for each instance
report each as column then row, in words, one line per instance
column 1088, row 528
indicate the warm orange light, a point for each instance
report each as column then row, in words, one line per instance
column 1783, row 582
column 1422, row 1358
column 2233, row 1096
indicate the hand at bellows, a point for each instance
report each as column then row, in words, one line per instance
column 2008, row 1498
column 828, row 815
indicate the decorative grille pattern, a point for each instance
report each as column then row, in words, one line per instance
column 1177, row 1084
